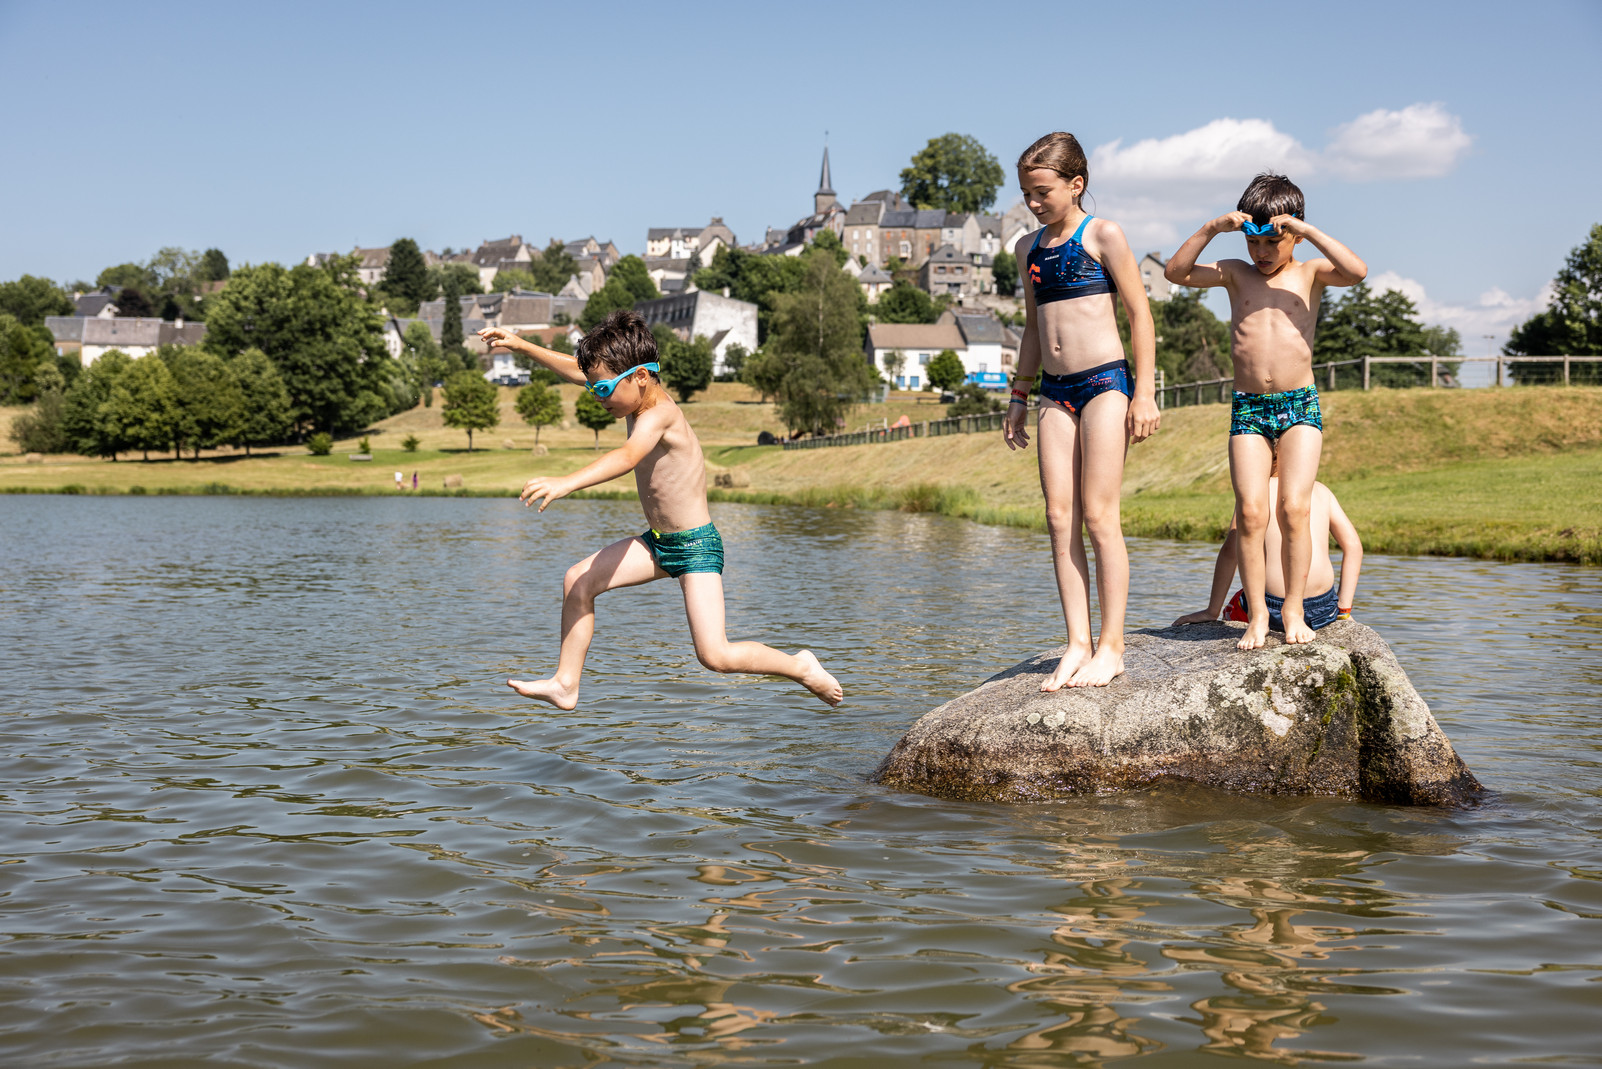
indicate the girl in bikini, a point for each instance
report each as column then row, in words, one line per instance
column 1092, row 405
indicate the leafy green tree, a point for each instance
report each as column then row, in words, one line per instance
column 945, row 371
column 1363, row 323
column 895, row 362
column 753, row 278
column 734, row 358
column 591, row 413
column 953, row 172
column 764, row 372
column 631, row 272
column 39, row 430
column 1194, row 343
column 1572, row 324
column 552, row 268
column 22, row 350
column 86, row 418
column 604, row 301
column 210, row 403
column 213, row 266
column 135, row 302
column 421, row 356
column 972, row 400
column 828, row 241
column 28, row 300
column 406, row 275
column 539, row 406
column 687, row 366
column 507, row 280
column 906, row 303
column 561, row 343
column 817, row 333
column 324, row 338
column 135, row 275
column 466, row 275
column 472, row 403
column 265, row 418
column 144, row 406
column 1004, row 269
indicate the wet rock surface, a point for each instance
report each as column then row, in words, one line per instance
column 1337, row 716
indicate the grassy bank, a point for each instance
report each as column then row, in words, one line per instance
column 1511, row 474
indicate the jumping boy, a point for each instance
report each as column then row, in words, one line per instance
column 1332, row 602
column 617, row 362
column 1273, row 303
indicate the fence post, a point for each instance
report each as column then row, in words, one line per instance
column 1499, row 371
column 1565, row 370
column 1434, row 372
column 1332, row 374
column 1365, row 372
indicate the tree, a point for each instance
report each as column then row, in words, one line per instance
column 552, row 268
column 514, row 279
column 1572, row 324
column 472, row 403
column 406, row 275
column 609, row 298
column 539, row 406
column 895, row 362
column 817, row 335
column 30, row 299
column 209, row 401
column 135, row 275
column 592, row 414
column 733, row 360
column 906, row 303
column 421, row 356
column 972, row 400
column 22, row 350
column 631, row 272
column 1363, row 323
column 1193, row 344
column 450, row 330
column 265, row 414
column 466, row 275
column 323, row 337
column 144, row 406
column 85, row 417
column 1004, row 270
column 40, row 430
column 133, row 301
column 213, row 266
column 945, row 371
column 764, row 373
column 686, row 365
column 953, row 172
column 753, row 278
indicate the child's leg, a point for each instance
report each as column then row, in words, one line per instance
column 703, row 604
column 1059, row 480
column 1299, row 449
column 625, row 563
column 1103, row 443
column 1250, row 459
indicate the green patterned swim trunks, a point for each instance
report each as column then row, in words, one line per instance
column 699, row 549
column 1272, row 414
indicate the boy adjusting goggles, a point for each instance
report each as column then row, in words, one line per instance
column 1262, row 229
column 605, row 387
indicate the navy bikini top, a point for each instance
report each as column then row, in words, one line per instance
column 1066, row 271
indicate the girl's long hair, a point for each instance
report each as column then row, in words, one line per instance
column 1058, row 151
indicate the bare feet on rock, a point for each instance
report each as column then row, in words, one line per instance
column 1256, row 634
column 1101, row 669
column 1073, row 659
column 546, row 690
column 816, row 679
column 1297, row 632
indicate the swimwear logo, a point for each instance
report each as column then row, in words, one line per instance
column 1034, row 273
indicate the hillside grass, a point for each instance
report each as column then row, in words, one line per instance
column 1511, row 474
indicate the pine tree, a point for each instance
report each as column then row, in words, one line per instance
column 407, row 273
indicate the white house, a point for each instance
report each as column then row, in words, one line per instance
column 724, row 320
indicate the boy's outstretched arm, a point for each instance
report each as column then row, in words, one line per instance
column 1183, row 270
column 1223, row 576
column 564, row 365
column 648, row 429
column 1351, row 554
column 1341, row 266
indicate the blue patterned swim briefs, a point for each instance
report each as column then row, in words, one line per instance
column 1272, row 414
column 699, row 549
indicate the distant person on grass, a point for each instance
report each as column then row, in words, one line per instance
column 1332, row 602
column 1273, row 301
column 617, row 363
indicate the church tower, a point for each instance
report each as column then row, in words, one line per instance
column 824, row 198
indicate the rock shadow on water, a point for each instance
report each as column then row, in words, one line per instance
column 1337, row 716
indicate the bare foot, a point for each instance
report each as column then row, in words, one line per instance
column 1100, row 669
column 817, row 680
column 1256, row 634
column 546, row 690
column 1297, row 631
column 1073, row 659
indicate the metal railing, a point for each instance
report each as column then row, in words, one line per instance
column 929, row 428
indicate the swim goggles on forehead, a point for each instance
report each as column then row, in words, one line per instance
column 605, row 387
column 1269, row 229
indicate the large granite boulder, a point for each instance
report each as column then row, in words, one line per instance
column 1336, row 716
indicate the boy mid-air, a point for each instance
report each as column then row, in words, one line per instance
column 617, row 362
column 1273, row 300
column 1332, row 601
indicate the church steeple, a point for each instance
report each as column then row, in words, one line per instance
column 824, row 198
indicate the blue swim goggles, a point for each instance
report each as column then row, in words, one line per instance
column 1266, row 229
column 605, row 387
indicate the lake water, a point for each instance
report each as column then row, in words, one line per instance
column 268, row 803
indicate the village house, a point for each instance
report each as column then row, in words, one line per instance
column 827, row 214
column 1158, row 288
column 947, row 273
column 723, row 320
column 589, row 248
column 687, row 242
column 875, row 282
column 91, row 337
column 987, row 348
column 100, row 303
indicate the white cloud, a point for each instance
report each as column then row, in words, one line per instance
column 1494, row 313
column 1223, row 154
column 1420, row 141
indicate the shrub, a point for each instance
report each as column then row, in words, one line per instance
column 367, row 446
column 410, row 443
column 320, row 444
column 973, row 400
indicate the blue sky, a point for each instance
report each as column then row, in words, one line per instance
column 1439, row 140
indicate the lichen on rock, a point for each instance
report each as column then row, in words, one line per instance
column 1337, row 716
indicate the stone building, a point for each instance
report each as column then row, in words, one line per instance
column 725, row 321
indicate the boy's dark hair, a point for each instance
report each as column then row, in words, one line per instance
column 621, row 341
column 1270, row 195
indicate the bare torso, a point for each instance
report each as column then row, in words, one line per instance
column 1272, row 320
column 1321, row 572
column 1076, row 334
column 671, row 479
